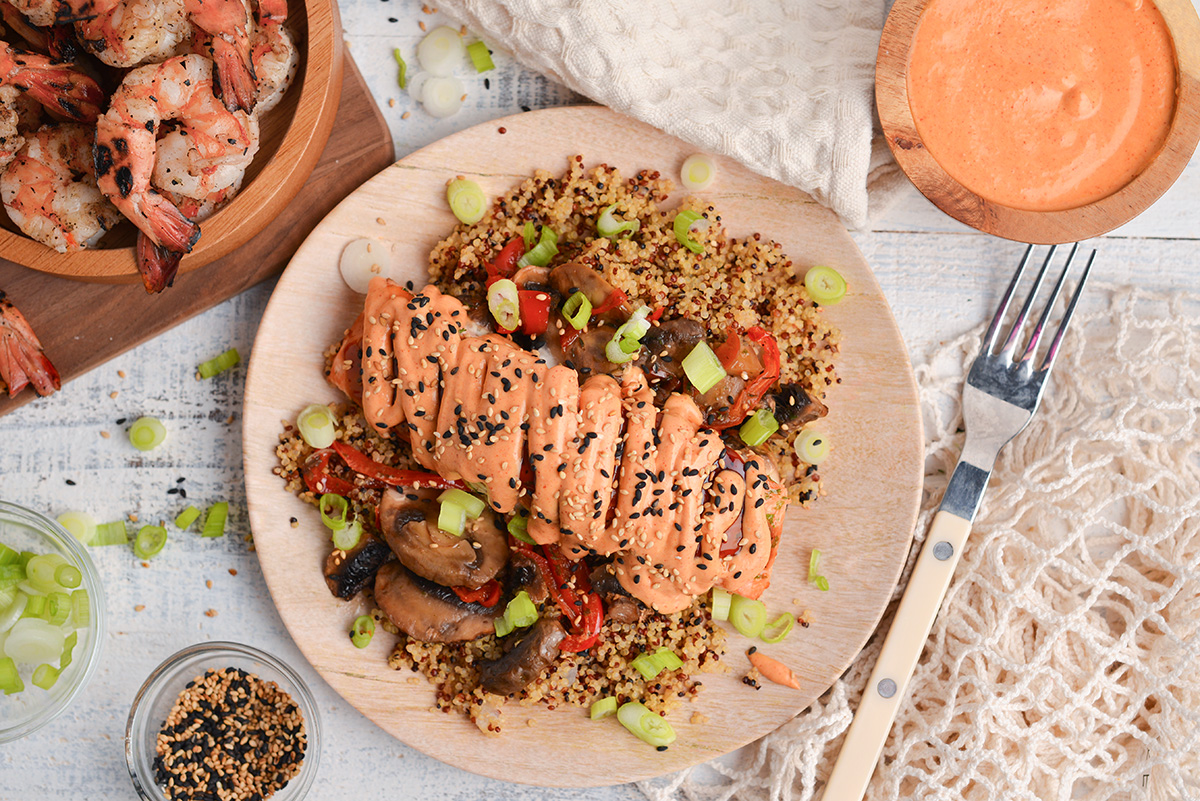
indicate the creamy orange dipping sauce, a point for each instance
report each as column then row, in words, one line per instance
column 1042, row 105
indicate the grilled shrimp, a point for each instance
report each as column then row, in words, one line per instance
column 50, row 189
column 18, row 114
column 179, row 89
column 221, row 31
column 59, row 86
column 126, row 33
column 21, row 358
column 273, row 54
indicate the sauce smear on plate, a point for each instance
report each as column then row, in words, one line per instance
column 1042, row 105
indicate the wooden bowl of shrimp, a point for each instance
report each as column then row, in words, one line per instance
column 291, row 136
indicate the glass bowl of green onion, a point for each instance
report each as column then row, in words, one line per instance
column 222, row 709
column 52, row 620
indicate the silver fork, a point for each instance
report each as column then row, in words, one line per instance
column 1001, row 394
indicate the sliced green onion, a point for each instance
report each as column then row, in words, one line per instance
column 473, row 506
column 603, row 708
column 33, row 641
column 10, row 679
column 822, row 584
column 40, row 571
column 24, row 557
column 684, row 221
column 609, row 226
column 10, row 616
column 147, row 433
column 504, row 303
column 346, row 538
column 758, row 427
column 149, row 541
column 113, row 533
column 452, row 519
column 720, row 603
column 185, row 519
column 646, row 725
column 697, row 172
column 317, row 425
column 214, row 521
column 748, row 616
column 466, row 200
column 334, row 504
column 577, row 310
column 8, row 556
column 814, row 565
column 781, row 628
column 68, row 576
column 36, row 608
column 547, row 248
column 220, row 364
column 812, row 447
column 81, row 611
column 481, row 57
column 403, row 77
column 650, row 665
column 441, row 51
column 703, row 368
column 11, row 576
column 58, row 608
column 518, row 526
column 68, row 650
column 825, row 285
column 529, row 234
column 362, row 631
column 521, row 612
column 503, row 625
column 80, row 524
column 44, row 676
column 627, row 340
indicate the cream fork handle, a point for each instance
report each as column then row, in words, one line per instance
column 901, row 650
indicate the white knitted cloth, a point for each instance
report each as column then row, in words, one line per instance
column 784, row 86
column 1065, row 663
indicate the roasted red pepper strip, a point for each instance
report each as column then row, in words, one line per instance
column 567, row 333
column 728, row 352
column 505, row 264
column 655, row 315
column 579, row 604
column 487, row 595
column 535, row 311
column 366, row 466
column 748, row 399
column 614, row 299
column 593, row 618
column 318, row 479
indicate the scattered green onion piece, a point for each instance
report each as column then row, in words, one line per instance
column 473, row 506
column 214, row 521
column 8, row 556
column 825, row 285
column 814, row 565
column 10, row 679
column 812, row 447
column 646, row 725
column 334, row 503
column 147, row 433
column 668, row 659
column 783, row 623
column 504, row 303
column 12, row 614
column 697, row 172
column 503, row 626
column 149, row 541
column 403, row 77
column 646, row 665
column 68, row 650
column 547, row 248
column 346, row 538
column 362, row 631
column 529, row 234
column 40, row 572
column 452, row 519
column 703, row 368
column 684, row 221
column 822, row 584
column 317, row 425
column 44, row 676
column 185, row 519
column 36, row 608
column 603, row 708
column 518, row 526
column 113, row 533
column 80, row 524
column 521, row 612
column 758, row 427
column 81, row 610
column 748, row 616
column 578, row 310
column 609, row 226
column 466, row 200
column 58, row 608
column 627, row 341
column 220, row 364
column 481, row 57
column 68, row 576
column 720, row 603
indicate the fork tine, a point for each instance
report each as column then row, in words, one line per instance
column 1041, row 323
column 989, row 339
column 1019, row 323
column 1052, row 353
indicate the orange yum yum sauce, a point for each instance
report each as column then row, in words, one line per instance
column 1042, row 105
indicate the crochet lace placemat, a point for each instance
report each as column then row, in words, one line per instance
column 1064, row 663
column 784, row 86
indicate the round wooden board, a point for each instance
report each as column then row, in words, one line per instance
column 863, row 526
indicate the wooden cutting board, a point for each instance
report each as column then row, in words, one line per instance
column 82, row 325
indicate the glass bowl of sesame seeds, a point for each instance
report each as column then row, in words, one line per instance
column 221, row 721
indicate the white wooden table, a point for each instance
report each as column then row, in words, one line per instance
column 941, row 278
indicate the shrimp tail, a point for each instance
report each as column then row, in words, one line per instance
column 168, row 225
column 235, row 71
column 60, row 87
column 157, row 264
column 22, row 360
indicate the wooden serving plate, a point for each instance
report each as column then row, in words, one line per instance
column 293, row 134
column 863, row 525
column 1038, row 227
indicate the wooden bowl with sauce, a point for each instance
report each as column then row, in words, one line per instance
column 1041, row 140
column 293, row 135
